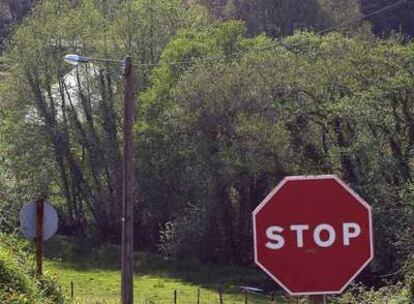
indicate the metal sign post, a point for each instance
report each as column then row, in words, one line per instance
column 39, row 234
column 38, row 222
column 317, row 299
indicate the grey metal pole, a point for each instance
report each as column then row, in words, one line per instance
column 127, row 220
column 317, row 299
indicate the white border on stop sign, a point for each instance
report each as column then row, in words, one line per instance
column 313, row 177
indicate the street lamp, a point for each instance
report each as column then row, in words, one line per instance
column 127, row 219
column 74, row 59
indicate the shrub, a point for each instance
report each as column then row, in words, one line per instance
column 392, row 294
column 18, row 281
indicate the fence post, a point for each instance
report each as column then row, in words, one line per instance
column 198, row 296
column 175, row 296
column 220, row 291
column 272, row 297
column 246, row 296
column 72, row 293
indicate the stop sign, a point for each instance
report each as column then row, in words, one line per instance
column 313, row 235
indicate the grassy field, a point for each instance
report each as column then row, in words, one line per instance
column 96, row 277
column 102, row 286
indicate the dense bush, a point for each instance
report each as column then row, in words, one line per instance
column 18, row 281
column 223, row 133
column 394, row 294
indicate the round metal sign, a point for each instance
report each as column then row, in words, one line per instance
column 28, row 221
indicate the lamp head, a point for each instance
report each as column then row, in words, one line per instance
column 76, row 59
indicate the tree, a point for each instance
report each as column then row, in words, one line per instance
column 11, row 12
column 221, row 119
column 219, row 134
column 399, row 19
column 281, row 18
column 76, row 115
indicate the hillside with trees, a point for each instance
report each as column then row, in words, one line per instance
column 399, row 19
column 231, row 96
column 12, row 12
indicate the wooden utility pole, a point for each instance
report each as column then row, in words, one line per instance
column 127, row 220
column 39, row 234
column 317, row 299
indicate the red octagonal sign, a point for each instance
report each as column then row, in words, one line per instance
column 313, row 235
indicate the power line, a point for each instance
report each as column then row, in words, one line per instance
column 385, row 210
column 387, row 275
column 221, row 57
column 360, row 18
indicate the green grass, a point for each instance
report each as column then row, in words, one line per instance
column 96, row 277
column 103, row 286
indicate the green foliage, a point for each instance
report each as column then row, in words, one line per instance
column 221, row 119
column 400, row 19
column 224, row 132
column 12, row 12
column 283, row 17
column 279, row 18
column 60, row 135
column 18, row 280
column 358, row 294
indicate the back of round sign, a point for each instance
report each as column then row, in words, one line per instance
column 28, row 221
